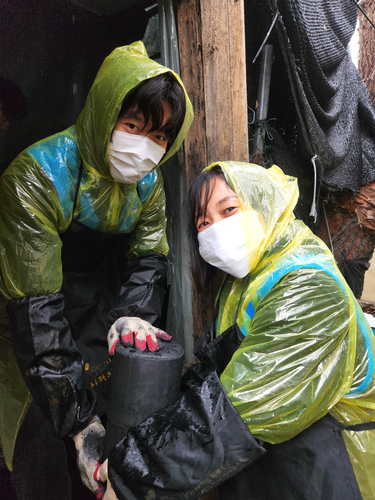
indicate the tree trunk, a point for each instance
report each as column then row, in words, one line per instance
column 213, row 69
column 366, row 34
column 349, row 231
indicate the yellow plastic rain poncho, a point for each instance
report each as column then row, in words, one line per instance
column 308, row 349
column 37, row 193
column 28, row 266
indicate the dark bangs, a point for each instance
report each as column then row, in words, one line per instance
column 147, row 98
column 200, row 193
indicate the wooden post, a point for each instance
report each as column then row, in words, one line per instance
column 224, row 72
column 191, row 67
column 213, row 69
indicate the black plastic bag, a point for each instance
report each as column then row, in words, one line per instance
column 184, row 450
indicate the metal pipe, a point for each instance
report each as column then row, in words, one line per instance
column 263, row 97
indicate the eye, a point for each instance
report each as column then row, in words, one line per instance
column 131, row 126
column 230, row 210
column 202, row 225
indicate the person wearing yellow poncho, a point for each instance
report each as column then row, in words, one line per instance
column 82, row 243
column 302, row 374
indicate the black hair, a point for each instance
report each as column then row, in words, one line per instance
column 200, row 193
column 148, row 97
column 12, row 100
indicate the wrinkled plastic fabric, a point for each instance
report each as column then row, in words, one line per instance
column 143, row 290
column 184, row 450
column 37, row 193
column 308, row 349
column 38, row 187
column 15, row 398
column 315, row 463
column 47, row 361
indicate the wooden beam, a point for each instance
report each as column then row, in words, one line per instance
column 224, row 70
column 213, row 69
column 191, row 66
column 366, row 42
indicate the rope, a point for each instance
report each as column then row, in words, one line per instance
column 313, row 211
column 260, row 128
column 329, row 232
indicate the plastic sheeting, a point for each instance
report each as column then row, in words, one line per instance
column 13, row 392
column 179, row 314
column 184, row 450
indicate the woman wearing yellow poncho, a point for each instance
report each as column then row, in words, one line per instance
column 303, row 374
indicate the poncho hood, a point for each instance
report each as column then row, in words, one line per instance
column 120, row 72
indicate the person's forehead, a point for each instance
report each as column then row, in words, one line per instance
column 134, row 114
column 219, row 194
column 220, row 188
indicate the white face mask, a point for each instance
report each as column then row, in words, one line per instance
column 132, row 156
column 223, row 243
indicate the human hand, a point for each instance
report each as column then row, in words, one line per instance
column 89, row 445
column 102, row 476
column 135, row 332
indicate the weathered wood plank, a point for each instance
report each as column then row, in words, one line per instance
column 224, row 69
column 213, row 69
column 238, row 79
column 191, row 64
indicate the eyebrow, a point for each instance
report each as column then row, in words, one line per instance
column 139, row 116
column 227, row 198
column 134, row 115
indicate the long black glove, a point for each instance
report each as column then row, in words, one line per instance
column 50, row 362
column 184, row 450
column 143, row 290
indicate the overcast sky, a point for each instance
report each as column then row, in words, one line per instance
column 354, row 48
